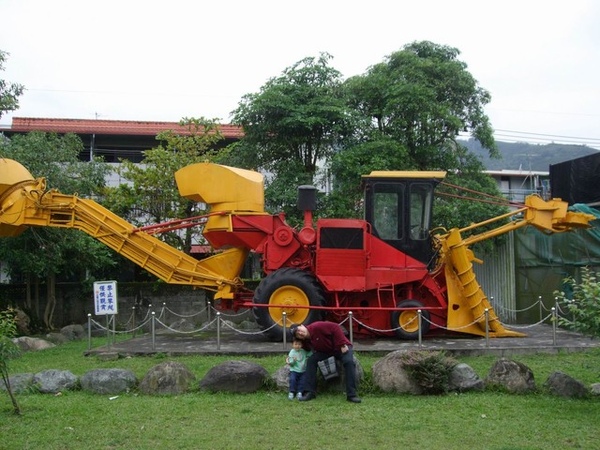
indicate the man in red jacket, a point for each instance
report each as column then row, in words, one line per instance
column 326, row 339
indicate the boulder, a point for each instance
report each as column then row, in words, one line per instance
column 19, row 383
column 182, row 325
column 389, row 375
column 563, row 385
column 235, row 376
column 168, row 378
column 338, row 384
column 595, row 389
column 57, row 338
column 512, row 376
column 53, row 381
column 73, row 332
column 23, row 322
column 30, row 344
column 281, row 378
column 108, row 381
column 463, row 378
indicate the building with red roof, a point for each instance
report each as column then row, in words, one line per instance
column 111, row 139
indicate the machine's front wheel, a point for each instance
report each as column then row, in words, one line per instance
column 291, row 291
column 406, row 323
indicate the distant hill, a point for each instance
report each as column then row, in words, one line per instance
column 524, row 156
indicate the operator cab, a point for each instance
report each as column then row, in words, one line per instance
column 398, row 206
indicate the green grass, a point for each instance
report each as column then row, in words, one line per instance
column 267, row 420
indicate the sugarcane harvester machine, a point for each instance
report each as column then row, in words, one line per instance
column 386, row 269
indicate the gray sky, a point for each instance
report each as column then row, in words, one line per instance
column 163, row 60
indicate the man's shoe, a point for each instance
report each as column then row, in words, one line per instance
column 354, row 399
column 308, row 397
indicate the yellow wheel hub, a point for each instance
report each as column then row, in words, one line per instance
column 288, row 299
column 409, row 321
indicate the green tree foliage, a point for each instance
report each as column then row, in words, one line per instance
column 405, row 113
column 292, row 126
column 150, row 195
column 8, row 350
column 416, row 104
column 44, row 253
column 423, row 97
column 9, row 92
column 582, row 303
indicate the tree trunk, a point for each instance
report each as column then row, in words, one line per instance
column 51, row 301
column 13, row 399
column 36, row 286
column 28, row 304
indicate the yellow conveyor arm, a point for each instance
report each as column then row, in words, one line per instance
column 26, row 202
column 467, row 303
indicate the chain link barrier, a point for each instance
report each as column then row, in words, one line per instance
column 220, row 322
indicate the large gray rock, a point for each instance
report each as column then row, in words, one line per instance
column 57, row 338
column 235, row 376
column 53, row 381
column 563, row 385
column 389, row 375
column 595, row 389
column 108, row 381
column 463, row 378
column 30, row 344
column 22, row 321
column 182, row 325
column 19, row 383
column 281, row 378
column 512, row 376
column 73, row 332
column 168, row 378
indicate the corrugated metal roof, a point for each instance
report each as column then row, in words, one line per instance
column 112, row 127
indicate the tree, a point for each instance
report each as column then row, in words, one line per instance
column 423, row 97
column 293, row 126
column 150, row 195
column 8, row 350
column 9, row 92
column 44, row 253
column 415, row 105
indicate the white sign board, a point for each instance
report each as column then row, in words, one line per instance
column 105, row 297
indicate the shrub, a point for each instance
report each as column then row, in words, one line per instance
column 583, row 303
column 429, row 369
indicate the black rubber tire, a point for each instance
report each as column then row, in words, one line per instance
column 287, row 287
column 406, row 324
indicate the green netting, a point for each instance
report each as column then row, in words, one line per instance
column 544, row 261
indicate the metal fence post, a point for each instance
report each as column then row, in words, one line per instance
column 218, row 331
column 133, row 321
column 420, row 318
column 89, row 331
column 554, row 320
column 284, row 330
column 487, row 328
column 152, row 328
column 208, row 306
column 351, row 325
column 541, row 307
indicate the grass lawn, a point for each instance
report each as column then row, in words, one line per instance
column 267, row 420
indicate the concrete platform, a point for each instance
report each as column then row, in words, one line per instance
column 540, row 338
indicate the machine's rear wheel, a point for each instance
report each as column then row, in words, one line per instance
column 406, row 323
column 292, row 291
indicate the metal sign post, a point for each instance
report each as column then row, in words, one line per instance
column 105, row 303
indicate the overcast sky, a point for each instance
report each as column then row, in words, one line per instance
column 163, row 60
